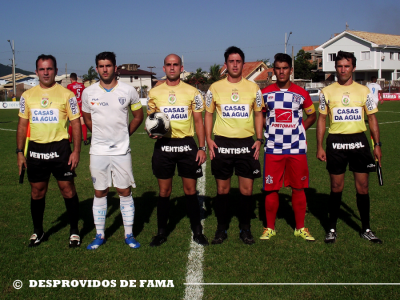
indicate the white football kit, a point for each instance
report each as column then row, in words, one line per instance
column 110, row 133
column 374, row 88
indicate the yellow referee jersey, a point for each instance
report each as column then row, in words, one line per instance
column 235, row 103
column 48, row 111
column 178, row 102
column 345, row 105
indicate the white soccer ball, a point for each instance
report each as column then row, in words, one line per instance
column 157, row 124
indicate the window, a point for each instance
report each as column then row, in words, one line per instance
column 398, row 56
column 331, row 56
column 136, row 77
column 365, row 55
column 391, row 55
column 131, row 78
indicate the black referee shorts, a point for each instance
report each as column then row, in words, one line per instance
column 234, row 154
column 169, row 153
column 45, row 159
column 352, row 149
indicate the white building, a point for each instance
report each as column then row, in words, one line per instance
column 377, row 54
column 135, row 77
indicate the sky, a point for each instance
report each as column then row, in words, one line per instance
column 144, row 32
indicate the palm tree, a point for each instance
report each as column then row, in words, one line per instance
column 214, row 73
column 91, row 76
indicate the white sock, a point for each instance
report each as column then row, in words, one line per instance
column 99, row 214
column 128, row 213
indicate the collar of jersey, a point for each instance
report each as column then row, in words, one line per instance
column 241, row 80
column 108, row 91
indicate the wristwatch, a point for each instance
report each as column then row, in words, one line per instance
column 378, row 144
column 260, row 140
column 19, row 150
column 203, row 148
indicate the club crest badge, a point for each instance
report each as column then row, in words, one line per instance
column 172, row 98
column 235, row 96
column 296, row 98
column 44, row 102
column 122, row 100
column 346, row 99
column 268, row 179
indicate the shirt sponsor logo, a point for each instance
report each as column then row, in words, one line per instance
column 74, row 106
column 346, row 114
column 240, row 111
column 95, row 99
column 198, row 100
column 45, row 115
column 176, row 113
column 322, row 101
column 370, row 104
column 258, row 98
column 44, row 102
column 283, row 115
column 185, row 148
column 347, row 146
column 209, row 97
column 268, row 179
column 122, row 100
column 22, row 105
column 242, row 150
column 99, row 103
column 46, row 156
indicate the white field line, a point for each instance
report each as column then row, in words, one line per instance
column 296, row 283
column 8, row 129
column 194, row 273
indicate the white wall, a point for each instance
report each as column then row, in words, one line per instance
column 141, row 81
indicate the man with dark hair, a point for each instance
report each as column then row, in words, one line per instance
column 46, row 108
column 238, row 103
column 178, row 148
column 376, row 90
column 286, row 146
column 77, row 88
column 345, row 102
column 105, row 106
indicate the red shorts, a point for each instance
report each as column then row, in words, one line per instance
column 293, row 167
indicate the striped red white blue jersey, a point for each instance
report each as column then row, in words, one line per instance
column 285, row 133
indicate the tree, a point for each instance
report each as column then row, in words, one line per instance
column 196, row 78
column 266, row 62
column 214, row 73
column 91, row 75
column 303, row 67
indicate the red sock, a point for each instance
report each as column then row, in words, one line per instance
column 299, row 204
column 84, row 132
column 271, row 208
column 70, row 133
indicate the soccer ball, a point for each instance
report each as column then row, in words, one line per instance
column 157, row 124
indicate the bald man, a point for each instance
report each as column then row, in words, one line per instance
column 183, row 104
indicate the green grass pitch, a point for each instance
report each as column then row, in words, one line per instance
column 284, row 259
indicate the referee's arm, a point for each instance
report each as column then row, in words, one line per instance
column 321, row 123
column 21, row 138
column 374, row 129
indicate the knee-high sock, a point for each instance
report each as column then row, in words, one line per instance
column 244, row 211
column 221, row 210
column 271, row 208
column 72, row 205
column 84, row 132
column 193, row 212
column 37, row 212
column 335, row 199
column 363, row 204
column 162, row 213
column 128, row 213
column 99, row 214
column 70, row 133
column 299, row 204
